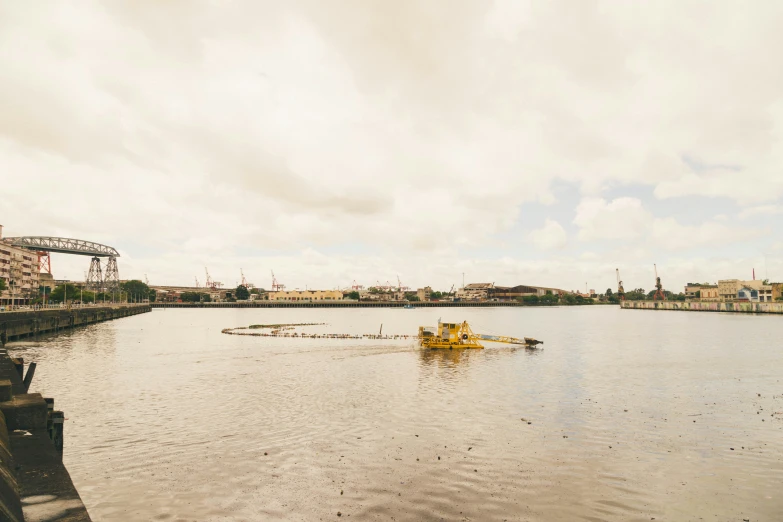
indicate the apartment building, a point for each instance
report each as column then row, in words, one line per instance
column 19, row 270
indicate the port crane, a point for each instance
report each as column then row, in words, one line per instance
column 399, row 285
column 658, row 295
column 214, row 285
column 620, row 290
column 276, row 286
column 244, row 282
column 452, row 336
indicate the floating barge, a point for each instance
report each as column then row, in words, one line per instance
column 450, row 336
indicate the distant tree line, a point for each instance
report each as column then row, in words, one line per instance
column 130, row 291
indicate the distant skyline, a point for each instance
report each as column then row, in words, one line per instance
column 542, row 143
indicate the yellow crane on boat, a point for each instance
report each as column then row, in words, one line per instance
column 450, row 336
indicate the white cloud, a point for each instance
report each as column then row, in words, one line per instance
column 196, row 133
column 549, row 237
column 621, row 218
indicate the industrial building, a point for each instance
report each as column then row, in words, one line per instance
column 306, row 295
column 488, row 291
column 19, row 269
column 753, row 290
column 424, row 294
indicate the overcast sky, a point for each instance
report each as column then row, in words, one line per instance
column 543, row 143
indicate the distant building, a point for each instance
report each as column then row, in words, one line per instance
column 505, row 293
column 307, row 295
column 748, row 294
column 709, row 293
column 777, row 291
column 485, row 291
column 475, row 291
column 19, row 270
column 424, row 293
column 702, row 292
column 691, row 289
column 729, row 290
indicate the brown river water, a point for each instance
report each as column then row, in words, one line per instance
column 624, row 415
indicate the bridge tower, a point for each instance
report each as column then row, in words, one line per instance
column 44, row 262
column 95, row 276
column 111, row 277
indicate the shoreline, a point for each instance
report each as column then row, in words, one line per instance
column 359, row 304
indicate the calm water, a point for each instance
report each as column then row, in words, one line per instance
column 632, row 416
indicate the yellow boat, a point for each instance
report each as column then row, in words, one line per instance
column 450, row 336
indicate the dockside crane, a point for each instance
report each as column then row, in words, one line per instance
column 197, row 285
column 399, row 285
column 244, row 282
column 214, row 285
column 276, row 286
column 620, row 290
column 659, row 295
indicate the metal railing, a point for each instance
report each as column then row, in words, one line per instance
column 64, row 306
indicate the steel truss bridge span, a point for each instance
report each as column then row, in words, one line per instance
column 64, row 245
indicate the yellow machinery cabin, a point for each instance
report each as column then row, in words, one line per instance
column 448, row 336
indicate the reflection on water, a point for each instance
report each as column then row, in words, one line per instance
column 168, row 419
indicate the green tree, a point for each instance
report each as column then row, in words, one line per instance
column 194, row 297
column 530, row 299
column 136, row 290
column 608, row 292
column 242, row 293
column 549, row 298
column 637, row 294
column 568, row 299
column 2, row 284
column 436, row 295
column 353, row 295
column 68, row 292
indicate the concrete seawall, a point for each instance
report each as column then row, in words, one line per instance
column 23, row 323
column 34, row 484
column 696, row 306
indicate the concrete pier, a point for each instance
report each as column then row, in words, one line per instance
column 698, row 306
column 23, row 323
